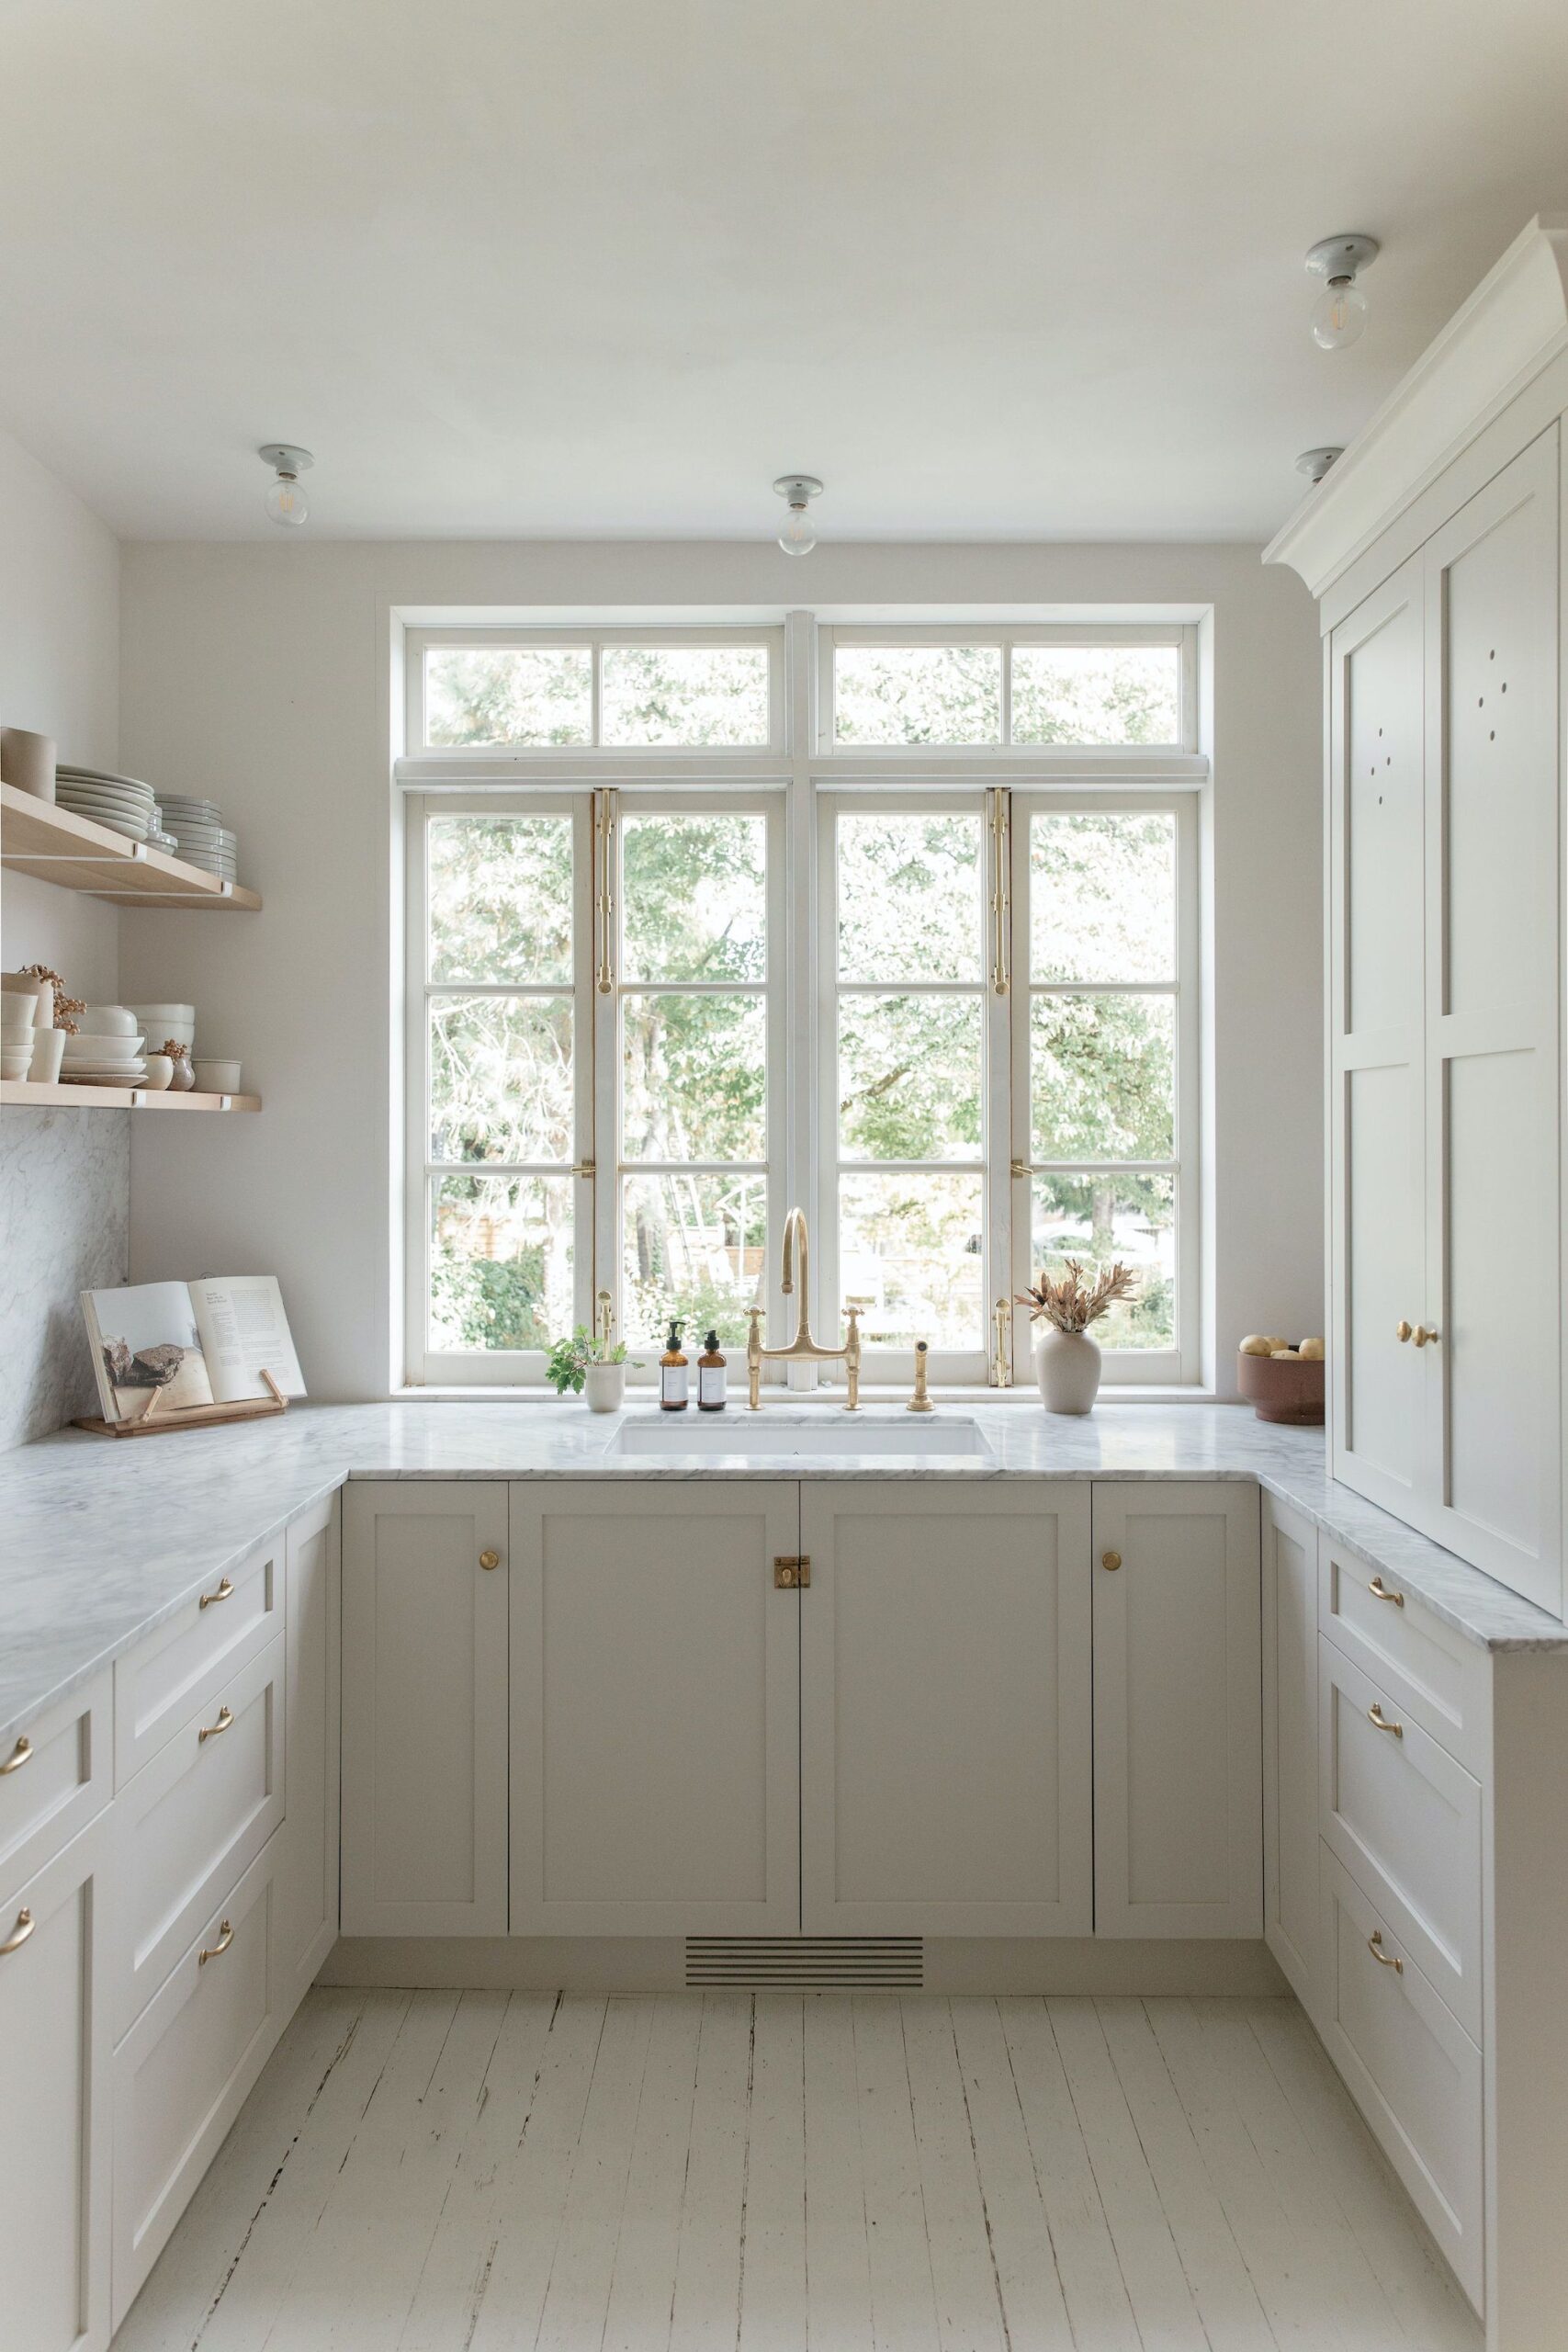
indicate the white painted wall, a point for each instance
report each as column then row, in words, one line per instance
column 63, row 1174
column 253, row 675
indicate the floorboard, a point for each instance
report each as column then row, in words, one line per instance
column 832, row 2172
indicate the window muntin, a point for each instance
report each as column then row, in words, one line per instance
column 1119, row 689
column 536, row 692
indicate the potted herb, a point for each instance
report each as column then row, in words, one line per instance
column 598, row 1364
column 1066, row 1361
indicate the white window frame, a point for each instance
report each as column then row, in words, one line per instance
column 799, row 782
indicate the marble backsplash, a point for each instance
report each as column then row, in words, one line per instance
column 64, row 1227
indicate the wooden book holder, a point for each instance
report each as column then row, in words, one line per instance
column 149, row 1423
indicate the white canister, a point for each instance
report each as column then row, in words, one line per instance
column 28, row 761
column 48, row 1052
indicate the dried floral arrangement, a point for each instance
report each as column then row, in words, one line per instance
column 66, row 1008
column 1070, row 1302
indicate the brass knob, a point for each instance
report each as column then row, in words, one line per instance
column 1425, row 1334
column 1111, row 1559
column 489, row 1559
column 1402, row 1331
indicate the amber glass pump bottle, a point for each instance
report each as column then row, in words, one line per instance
column 673, row 1376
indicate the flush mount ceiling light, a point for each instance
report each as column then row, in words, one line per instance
column 1315, row 463
column 286, row 502
column 1339, row 313
column 797, row 537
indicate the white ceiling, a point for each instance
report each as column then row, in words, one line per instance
column 994, row 269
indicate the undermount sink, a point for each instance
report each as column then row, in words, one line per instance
column 800, row 1436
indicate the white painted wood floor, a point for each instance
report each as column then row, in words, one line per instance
column 443, row 2172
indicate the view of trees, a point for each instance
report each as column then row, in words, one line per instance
column 912, row 990
column 953, row 693
column 533, row 697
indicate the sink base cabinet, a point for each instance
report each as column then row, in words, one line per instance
column 655, row 1709
column 945, row 1737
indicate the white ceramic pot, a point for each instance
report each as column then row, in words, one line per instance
column 28, row 761
column 1066, row 1365
column 218, row 1077
column 48, row 1052
column 159, row 1071
column 605, row 1387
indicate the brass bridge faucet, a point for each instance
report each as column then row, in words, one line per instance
column 803, row 1348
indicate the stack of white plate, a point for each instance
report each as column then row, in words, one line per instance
column 204, row 839
column 120, row 802
column 106, row 1058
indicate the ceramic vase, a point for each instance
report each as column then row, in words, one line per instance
column 28, row 761
column 605, row 1387
column 1066, row 1365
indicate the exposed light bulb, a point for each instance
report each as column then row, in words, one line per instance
column 798, row 536
column 1339, row 314
column 286, row 500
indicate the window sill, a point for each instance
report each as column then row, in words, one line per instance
column 1023, row 1393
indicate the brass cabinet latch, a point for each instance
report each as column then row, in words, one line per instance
column 791, row 1571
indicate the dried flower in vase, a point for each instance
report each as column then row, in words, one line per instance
column 65, row 1007
column 1071, row 1305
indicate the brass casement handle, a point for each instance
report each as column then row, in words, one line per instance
column 1384, row 1959
column 21, row 1754
column 1111, row 1559
column 489, row 1559
column 225, row 1592
column 1401, row 1331
column 210, row 1731
column 792, row 1572
column 24, row 1925
column 217, row 1951
column 1424, row 1334
column 1380, row 1722
column 1381, row 1592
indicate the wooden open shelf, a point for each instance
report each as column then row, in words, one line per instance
column 117, row 1097
column 38, row 838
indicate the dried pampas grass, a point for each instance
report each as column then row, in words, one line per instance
column 1073, row 1305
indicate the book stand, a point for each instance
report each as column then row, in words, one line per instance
column 149, row 1423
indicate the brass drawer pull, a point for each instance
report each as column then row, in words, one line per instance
column 210, row 1731
column 225, row 1592
column 1111, row 1559
column 1378, row 1586
column 489, row 1559
column 1380, row 1722
column 24, row 1925
column 216, row 1951
column 21, row 1754
column 1384, row 1959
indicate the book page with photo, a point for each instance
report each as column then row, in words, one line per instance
column 144, row 1339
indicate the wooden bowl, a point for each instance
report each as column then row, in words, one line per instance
column 1283, row 1389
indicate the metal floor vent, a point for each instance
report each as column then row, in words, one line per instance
column 812, row 1964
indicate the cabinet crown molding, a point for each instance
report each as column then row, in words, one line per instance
column 1512, row 325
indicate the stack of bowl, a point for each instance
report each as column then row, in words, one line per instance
column 106, row 1049
column 18, row 1004
column 204, row 839
column 120, row 802
column 167, row 1024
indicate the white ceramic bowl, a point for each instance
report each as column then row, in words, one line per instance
column 218, row 1077
column 15, row 1060
column 110, row 1021
column 160, row 1071
column 89, row 1045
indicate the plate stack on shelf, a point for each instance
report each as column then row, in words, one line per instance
column 204, row 839
column 120, row 802
column 107, row 1051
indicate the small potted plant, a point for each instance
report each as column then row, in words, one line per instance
column 595, row 1362
column 1066, row 1361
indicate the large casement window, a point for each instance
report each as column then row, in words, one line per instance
column 941, row 990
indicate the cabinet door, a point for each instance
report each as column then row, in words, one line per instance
column 945, row 1731
column 655, row 1709
column 424, row 1708
column 1376, row 1101
column 1292, row 1904
column 1494, row 876
column 307, row 1894
column 1178, row 1764
column 55, row 2106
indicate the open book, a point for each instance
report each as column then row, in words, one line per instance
column 206, row 1342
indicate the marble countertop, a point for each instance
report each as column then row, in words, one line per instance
column 101, row 1541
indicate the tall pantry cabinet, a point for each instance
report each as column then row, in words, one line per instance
column 1437, row 546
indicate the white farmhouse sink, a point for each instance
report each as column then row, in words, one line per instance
column 800, row 1436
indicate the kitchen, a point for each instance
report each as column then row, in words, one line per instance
column 781, row 1540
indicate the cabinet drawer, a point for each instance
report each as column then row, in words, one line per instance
column 1405, row 1821
column 53, row 1778
column 1413, row 2070
column 191, row 1821
column 183, row 2069
column 169, row 1675
column 1434, row 1675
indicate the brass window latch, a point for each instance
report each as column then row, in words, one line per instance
column 791, row 1571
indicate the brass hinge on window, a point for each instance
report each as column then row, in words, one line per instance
column 1000, row 819
column 1001, row 1355
column 791, row 1571
column 604, row 899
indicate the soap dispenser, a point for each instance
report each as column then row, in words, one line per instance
column 712, row 1376
column 673, row 1375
